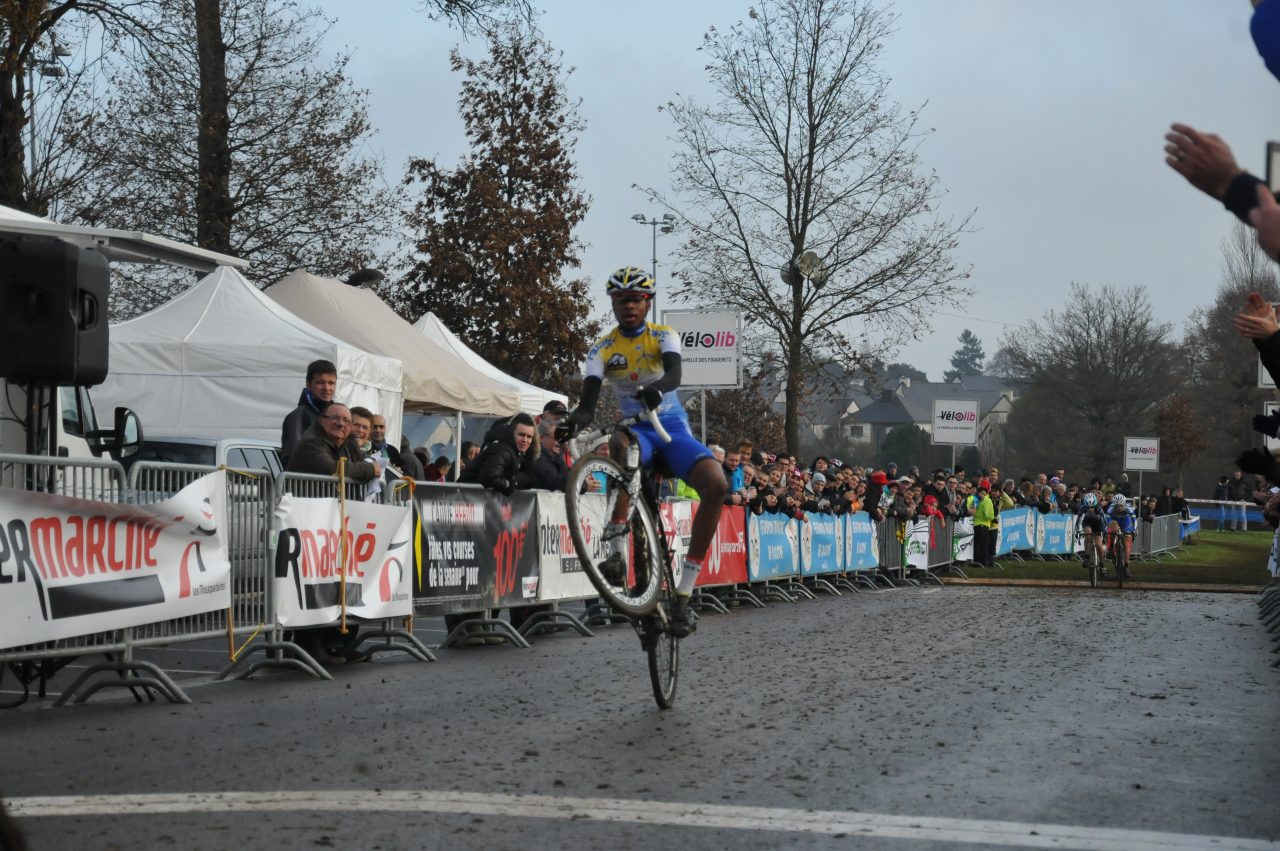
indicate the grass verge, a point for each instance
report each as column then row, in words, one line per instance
column 1214, row 558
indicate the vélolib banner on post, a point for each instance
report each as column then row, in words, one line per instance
column 71, row 567
column 316, row 545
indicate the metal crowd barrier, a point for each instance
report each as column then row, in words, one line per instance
column 83, row 478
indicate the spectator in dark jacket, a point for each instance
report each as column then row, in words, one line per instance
column 319, row 449
column 550, row 471
column 1237, row 492
column 322, row 383
column 318, row 453
column 507, row 456
column 1220, row 496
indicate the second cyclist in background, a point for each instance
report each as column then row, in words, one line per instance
column 641, row 360
column 1122, row 521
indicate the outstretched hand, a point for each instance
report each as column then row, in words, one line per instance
column 1202, row 158
column 1258, row 462
column 1257, row 320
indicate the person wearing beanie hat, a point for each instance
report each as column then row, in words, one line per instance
column 879, row 478
column 985, row 485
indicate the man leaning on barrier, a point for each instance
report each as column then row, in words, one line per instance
column 318, row 453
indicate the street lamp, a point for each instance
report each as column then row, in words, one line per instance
column 667, row 224
column 47, row 67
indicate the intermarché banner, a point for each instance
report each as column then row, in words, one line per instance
column 316, row 544
column 71, row 567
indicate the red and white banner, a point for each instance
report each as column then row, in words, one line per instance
column 726, row 562
column 316, row 546
column 71, row 567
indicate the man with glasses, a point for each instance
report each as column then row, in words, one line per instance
column 318, row 453
column 325, row 442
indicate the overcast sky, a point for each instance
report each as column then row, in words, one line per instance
column 1049, row 120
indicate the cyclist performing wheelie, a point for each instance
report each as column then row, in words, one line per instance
column 1091, row 525
column 641, row 360
column 1121, row 522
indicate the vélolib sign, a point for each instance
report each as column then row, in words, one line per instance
column 955, row 422
column 1142, row 454
column 709, row 347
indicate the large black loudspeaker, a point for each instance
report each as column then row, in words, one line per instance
column 53, row 312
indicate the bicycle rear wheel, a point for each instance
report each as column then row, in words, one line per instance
column 635, row 592
column 663, row 650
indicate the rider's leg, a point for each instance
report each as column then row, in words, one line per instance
column 707, row 478
column 616, row 539
column 1128, row 546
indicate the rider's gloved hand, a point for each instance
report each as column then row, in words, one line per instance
column 651, row 397
column 1259, row 462
column 1268, row 424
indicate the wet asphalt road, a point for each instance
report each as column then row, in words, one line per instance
column 1102, row 711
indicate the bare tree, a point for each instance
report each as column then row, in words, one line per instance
column 223, row 130
column 483, row 15
column 29, row 31
column 1094, row 370
column 804, row 151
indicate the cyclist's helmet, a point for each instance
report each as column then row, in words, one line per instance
column 1120, row 500
column 1090, row 500
column 631, row 279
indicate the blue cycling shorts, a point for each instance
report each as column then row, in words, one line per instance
column 679, row 455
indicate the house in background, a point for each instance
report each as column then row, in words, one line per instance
column 911, row 401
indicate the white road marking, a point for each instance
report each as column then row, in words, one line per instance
column 671, row 814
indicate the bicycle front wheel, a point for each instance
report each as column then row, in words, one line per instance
column 664, row 664
column 1093, row 567
column 630, row 588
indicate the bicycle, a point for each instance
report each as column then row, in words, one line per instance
column 1091, row 561
column 643, row 592
column 1119, row 552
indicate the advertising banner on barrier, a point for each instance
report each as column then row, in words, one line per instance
column 314, row 550
column 72, row 567
column 861, row 549
column 677, row 522
column 771, row 546
column 726, row 562
column 475, row 546
column 561, row 575
column 820, row 545
column 1017, row 530
column 916, row 544
column 962, row 539
column 1055, row 534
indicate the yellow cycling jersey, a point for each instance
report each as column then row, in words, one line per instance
column 631, row 362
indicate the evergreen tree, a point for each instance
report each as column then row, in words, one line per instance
column 968, row 358
column 493, row 237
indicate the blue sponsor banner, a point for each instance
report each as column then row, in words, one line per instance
column 861, row 549
column 1055, row 534
column 771, row 546
column 1017, row 530
column 820, row 550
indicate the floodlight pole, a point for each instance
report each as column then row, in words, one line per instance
column 668, row 225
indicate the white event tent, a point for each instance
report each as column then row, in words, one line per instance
column 223, row 360
column 435, row 379
column 532, row 398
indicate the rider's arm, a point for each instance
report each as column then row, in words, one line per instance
column 670, row 379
